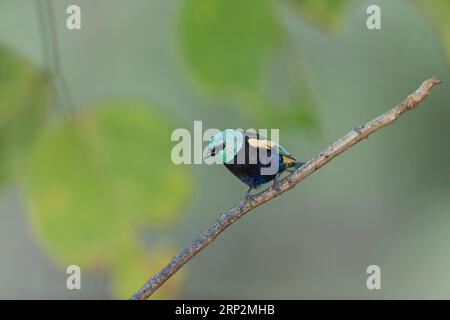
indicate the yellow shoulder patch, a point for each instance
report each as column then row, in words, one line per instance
column 288, row 160
column 256, row 143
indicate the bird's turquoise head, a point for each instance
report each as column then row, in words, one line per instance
column 225, row 145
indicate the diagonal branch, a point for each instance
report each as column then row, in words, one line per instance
column 232, row 215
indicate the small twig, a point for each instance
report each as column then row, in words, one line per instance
column 51, row 49
column 232, row 215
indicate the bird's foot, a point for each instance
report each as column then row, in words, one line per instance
column 248, row 197
column 276, row 183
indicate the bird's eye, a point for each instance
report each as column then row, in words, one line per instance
column 213, row 152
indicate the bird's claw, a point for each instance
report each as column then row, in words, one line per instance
column 248, row 198
column 276, row 185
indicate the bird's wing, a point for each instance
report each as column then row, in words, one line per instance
column 257, row 141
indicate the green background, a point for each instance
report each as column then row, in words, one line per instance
column 95, row 186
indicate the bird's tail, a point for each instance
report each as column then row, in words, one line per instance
column 292, row 162
column 297, row 164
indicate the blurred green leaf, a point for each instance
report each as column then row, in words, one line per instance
column 327, row 14
column 95, row 176
column 226, row 42
column 130, row 273
column 230, row 46
column 285, row 98
column 438, row 12
column 23, row 96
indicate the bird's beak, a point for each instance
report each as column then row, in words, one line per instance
column 207, row 155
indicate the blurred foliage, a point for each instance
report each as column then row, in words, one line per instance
column 231, row 46
column 227, row 42
column 438, row 12
column 285, row 99
column 327, row 14
column 132, row 270
column 92, row 178
column 23, row 97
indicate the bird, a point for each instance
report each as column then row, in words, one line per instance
column 251, row 157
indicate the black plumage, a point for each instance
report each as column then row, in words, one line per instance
column 258, row 161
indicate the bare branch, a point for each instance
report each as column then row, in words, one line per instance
column 232, row 215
